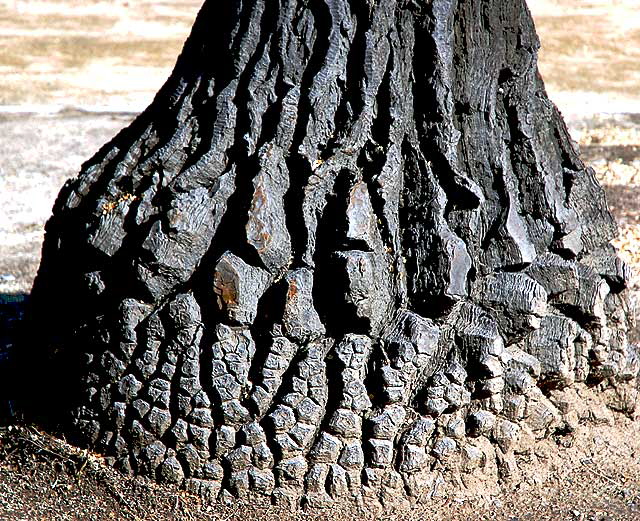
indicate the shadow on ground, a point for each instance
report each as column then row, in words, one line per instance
column 12, row 311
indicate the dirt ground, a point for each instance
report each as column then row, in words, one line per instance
column 590, row 57
column 589, row 476
column 89, row 53
column 75, row 71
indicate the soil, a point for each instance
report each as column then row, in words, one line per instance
column 590, row 54
column 76, row 71
column 112, row 53
column 590, row 475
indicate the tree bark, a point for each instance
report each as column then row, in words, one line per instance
column 347, row 244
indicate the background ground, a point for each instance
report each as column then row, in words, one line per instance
column 75, row 71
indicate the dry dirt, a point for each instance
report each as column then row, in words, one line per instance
column 590, row 57
column 75, row 71
column 591, row 475
column 112, row 53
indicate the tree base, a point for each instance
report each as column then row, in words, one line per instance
column 357, row 421
column 478, row 467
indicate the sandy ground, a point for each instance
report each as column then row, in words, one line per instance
column 73, row 72
column 38, row 153
column 89, row 53
column 590, row 57
column 575, row 478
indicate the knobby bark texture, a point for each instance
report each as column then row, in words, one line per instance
column 350, row 245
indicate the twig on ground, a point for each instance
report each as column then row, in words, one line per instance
column 603, row 476
column 42, row 448
column 119, row 497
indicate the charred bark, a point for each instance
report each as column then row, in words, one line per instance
column 347, row 240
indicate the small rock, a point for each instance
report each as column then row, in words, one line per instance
column 480, row 423
column 444, row 447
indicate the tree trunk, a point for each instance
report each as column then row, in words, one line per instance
column 350, row 243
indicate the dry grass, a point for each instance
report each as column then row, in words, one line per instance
column 98, row 52
column 590, row 57
column 73, row 52
column 17, row 22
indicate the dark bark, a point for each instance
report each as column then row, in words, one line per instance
column 347, row 241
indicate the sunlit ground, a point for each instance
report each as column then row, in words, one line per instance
column 590, row 57
column 117, row 53
column 89, row 53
